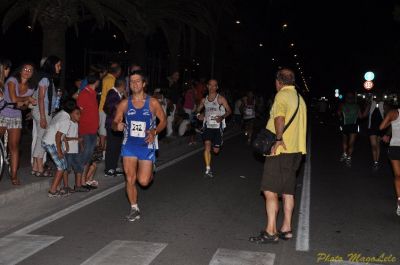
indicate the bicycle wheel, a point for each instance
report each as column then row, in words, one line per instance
column 2, row 160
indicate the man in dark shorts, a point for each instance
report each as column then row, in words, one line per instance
column 216, row 109
column 349, row 113
column 281, row 166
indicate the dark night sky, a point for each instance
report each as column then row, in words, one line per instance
column 336, row 42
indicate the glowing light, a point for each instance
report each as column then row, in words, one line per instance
column 114, row 36
column 237, row 21
column 369, row 76
column 261, row 45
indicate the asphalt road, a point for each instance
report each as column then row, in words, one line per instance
column 188, row 219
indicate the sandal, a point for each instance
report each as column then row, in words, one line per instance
column 15, row 181
column 285, row 235
column 264, row 238
column 41, row 174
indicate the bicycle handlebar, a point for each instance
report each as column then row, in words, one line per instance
column 5, row 104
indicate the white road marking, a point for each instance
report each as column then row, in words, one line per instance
column 15, row 248
column 126, row 252
column 238, row 257
column 303, row 226
column 18, row 245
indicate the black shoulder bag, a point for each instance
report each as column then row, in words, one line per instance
column 265, row 139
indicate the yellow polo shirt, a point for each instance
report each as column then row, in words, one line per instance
column 285, row 104
column 107, row 83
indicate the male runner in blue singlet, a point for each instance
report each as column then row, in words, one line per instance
column 136, row 116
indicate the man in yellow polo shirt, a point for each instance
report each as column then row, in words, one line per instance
column 280, row 167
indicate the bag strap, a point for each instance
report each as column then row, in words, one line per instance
column 294, row 114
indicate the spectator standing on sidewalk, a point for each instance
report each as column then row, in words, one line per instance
column 189, row 105
column 393, row 119
column 140, row 137
column 108, row 82
column 43, row 112
column 216, row 109
column 52, row 142
column 88, row 122
column 72, row 142
column 5, row 67
column 114, row 138
column 349, row 113
column 18, row 89
column 280, row 167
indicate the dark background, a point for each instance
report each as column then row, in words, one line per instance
column 335, row 42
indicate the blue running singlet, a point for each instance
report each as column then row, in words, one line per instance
column 138, row 121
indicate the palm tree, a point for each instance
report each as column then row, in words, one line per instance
column 56, row 16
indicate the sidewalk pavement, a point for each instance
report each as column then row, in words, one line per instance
column 170, row 148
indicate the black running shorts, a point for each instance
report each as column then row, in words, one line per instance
column 213, row 135
column 349, row 128
column 280, row 173
column 394, row 152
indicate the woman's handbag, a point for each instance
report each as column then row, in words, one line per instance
column 265, row 139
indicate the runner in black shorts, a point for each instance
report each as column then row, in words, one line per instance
column 375, row 113
column 216, row 109
column 349, row 112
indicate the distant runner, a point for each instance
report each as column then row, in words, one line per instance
column 216, row 109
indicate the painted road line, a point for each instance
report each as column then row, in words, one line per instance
column 303, row 226
column 15, row 248
column 32, row 227
column 238, row 257
column 27, row 245
column 126, row 252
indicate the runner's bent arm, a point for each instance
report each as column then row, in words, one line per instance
column 156, row 108
column 117, row 124
column 228, row 110
column 391, row 116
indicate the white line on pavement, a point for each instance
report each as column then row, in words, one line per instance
column 303, row 227
column 126, row 252
column 32, row 227
column 14, row 249
column 237, row 257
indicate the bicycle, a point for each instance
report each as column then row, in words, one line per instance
column 5, row 167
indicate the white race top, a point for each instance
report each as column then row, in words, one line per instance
column 212, row 110
column 395, row 141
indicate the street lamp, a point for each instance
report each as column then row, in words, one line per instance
column 291, row 44
column 261, row 45
column 237, row 21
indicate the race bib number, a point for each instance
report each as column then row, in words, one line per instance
column 248, row 111
column 212, row 122
column 138, row 129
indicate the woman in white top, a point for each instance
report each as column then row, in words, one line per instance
column 392, row 118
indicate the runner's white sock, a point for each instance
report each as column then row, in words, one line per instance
column 135, row 206
column 208, row 169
